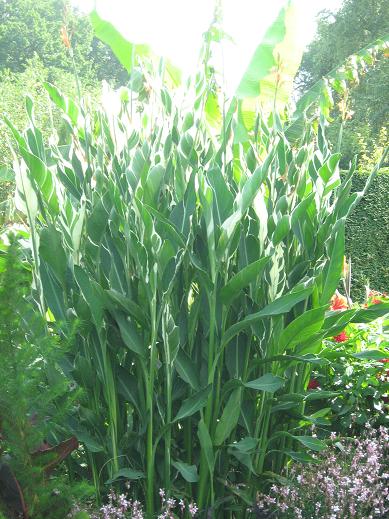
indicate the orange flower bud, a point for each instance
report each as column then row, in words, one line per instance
column 65, row 37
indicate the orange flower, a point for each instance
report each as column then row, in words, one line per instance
column 373, row 297
column 374, row 293
column 342, row 337
column 338, row 302
column 65, row 37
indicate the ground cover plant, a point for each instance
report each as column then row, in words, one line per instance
column 191, row 248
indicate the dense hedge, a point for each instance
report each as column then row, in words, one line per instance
column 367, row 236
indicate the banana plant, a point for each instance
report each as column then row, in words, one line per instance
column 199, row 271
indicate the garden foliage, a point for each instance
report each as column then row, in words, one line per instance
column 356, row 375
column 198, row 244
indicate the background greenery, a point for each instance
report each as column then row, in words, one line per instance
column 32, row 51
column 367, row 236
column 338, row 35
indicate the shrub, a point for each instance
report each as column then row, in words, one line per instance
column 33, row 401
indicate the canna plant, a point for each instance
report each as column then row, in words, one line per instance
column 199, row 258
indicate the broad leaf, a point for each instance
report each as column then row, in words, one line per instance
column 52, row 252
column 125, row 51
column 129, row 474
column 311, row 443
column 334, row 267
column 193, row 404
column 130, row 334
column 269, row 77
column 206, row 445
column 188, row 472
column 229, row 418
column 302, row 328
column 242, row 279
column 187, row 369
column 372, row 355
column 302, row 457
column 269, row 383
column 281, row 305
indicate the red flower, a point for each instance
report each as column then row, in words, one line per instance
column 384, row 360
column 375, row 301
column 338, row 302
column 342, row 337
column 313, row 384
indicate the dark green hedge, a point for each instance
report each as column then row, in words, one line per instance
column 367, row 236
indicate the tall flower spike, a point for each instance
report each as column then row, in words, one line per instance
column 65, row 37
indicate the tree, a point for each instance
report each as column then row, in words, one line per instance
column 357, row 23
column 32, row 51
column 33, row 27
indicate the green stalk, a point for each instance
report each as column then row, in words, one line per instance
column 211, row 353
column 168, row 434
column 111, row 396
column 149, row 403
column 263, row 437
column 95, row 476
column 203, row 483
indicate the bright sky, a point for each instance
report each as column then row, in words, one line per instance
column 174, row 28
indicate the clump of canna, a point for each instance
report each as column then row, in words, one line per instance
column 199, row 252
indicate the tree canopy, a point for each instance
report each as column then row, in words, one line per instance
column 339, row 34
column 33, row 27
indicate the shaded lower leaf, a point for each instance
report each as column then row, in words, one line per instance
column 229, row 418
column 188, row 472
column 301, row 457
column 311, row 443
column 193, row 404
column 206, row 445
column 126, row 474
column 269, row 383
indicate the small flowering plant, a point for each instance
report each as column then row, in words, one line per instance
column 122, row 506
column 173, row 508
column 349, row 480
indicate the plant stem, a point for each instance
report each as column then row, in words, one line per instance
column 203, row 488
column 168, row 434
column 150, row 392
